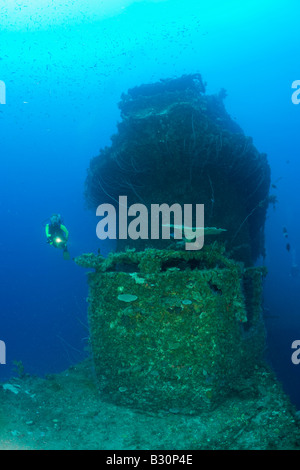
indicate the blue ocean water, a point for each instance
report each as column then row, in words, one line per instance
column 65, row 65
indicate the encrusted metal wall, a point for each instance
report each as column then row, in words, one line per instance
column 173, row 329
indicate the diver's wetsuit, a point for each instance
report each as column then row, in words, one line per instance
column 57, row 231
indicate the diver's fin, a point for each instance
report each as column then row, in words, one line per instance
column 66, row 255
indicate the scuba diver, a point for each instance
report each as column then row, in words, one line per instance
column 57, row 234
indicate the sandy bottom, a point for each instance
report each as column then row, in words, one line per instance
column 67, row 411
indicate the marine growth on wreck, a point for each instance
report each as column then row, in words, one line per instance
column 172, row 328
column 175, row 144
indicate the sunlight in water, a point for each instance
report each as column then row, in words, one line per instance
column 44, row 14
column 35, row 15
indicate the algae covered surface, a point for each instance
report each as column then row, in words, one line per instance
column 171, row 378
column 67, row 411
column 177, row 363
column 173, row 329
column 176, row 143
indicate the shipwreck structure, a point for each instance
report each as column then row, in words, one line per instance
column 175, row 144
column 172, row 328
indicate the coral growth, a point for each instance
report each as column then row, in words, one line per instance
column 176, row 144
column 176, row 328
